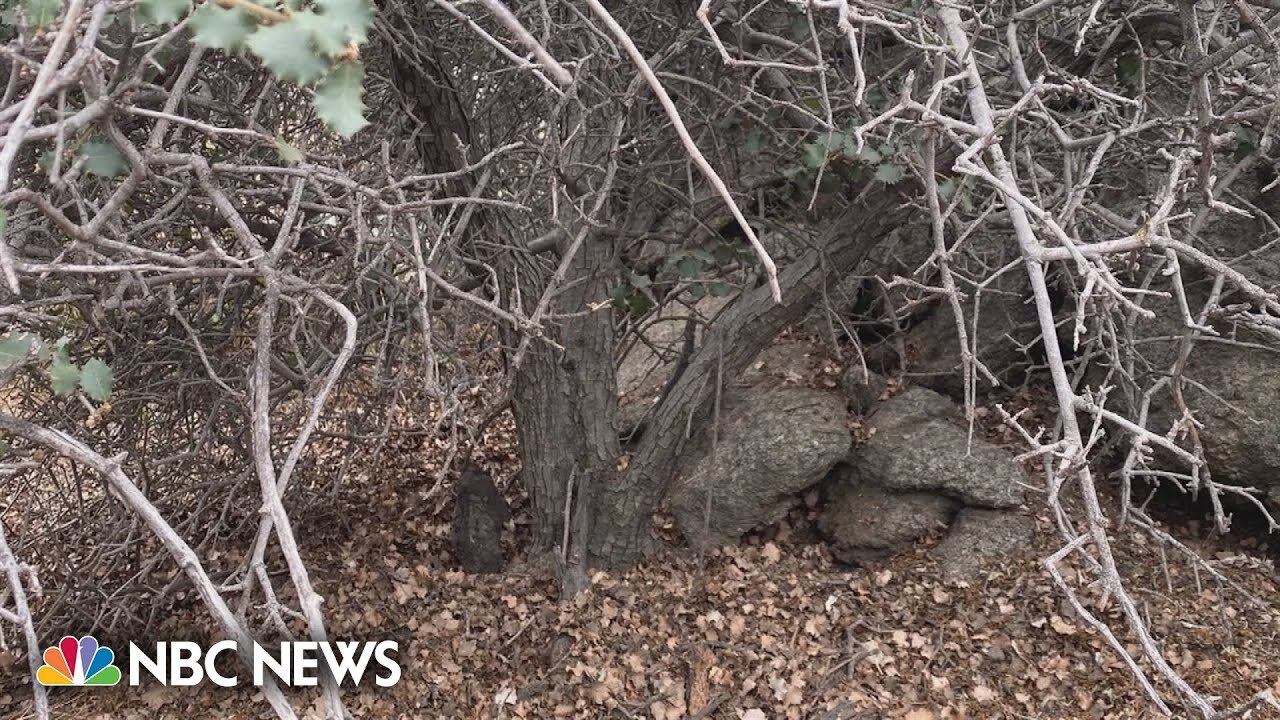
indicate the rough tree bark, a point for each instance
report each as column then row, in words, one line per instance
column 564, row 401
column 425, row 88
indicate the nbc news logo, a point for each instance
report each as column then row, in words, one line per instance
column 78, row 662
column 82, row 661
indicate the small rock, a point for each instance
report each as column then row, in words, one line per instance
column 862, row 388
column 920, row 445
column 478, row 515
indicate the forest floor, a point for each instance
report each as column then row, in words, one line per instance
column 769, row 628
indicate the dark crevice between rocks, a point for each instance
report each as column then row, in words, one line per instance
column 1192, row 515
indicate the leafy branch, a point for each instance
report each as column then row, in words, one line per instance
column 316, row 46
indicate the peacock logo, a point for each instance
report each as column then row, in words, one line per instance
column 79, row 661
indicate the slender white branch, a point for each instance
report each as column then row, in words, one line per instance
column 770, row 269
column 13, row 572
column 512, row 23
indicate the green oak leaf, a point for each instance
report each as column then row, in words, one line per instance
column 837, row 140
column 162, row 12
column 355, row 16
column 95, row 379
column 689, row 266
column 815, row 155
column 724, row 253
column 889, row 173
column 287, row 51
column 42, row 13
column 58, row 347
column 287, row 153
column 830, row 182
column 220, row 28
column 1246, row 142
column 45, row 163
column 720, row 288
column 867, row 155
column 64, row 375
column 618, row 294
column 328, row 33
column 101, row 158
column 14, row 349
column 799, row 28
column 706, row 257
column 1129, row 72
column 339, row 99
column 8, row 23
column 638, row 303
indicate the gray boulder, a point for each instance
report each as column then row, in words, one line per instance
column 865, row 522
column 915, row 472
column 647, row 366
column 784, row 363
column 1232, row 389
column 772, row 444
column 861, row 388
column 921, row 445
column 1241, row 433
column 977, row 536
column 1007, row 328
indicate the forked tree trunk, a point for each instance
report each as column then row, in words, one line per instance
column 622, row 529
column 565, row 403
column 564, row 398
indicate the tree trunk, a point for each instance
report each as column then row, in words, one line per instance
column 622, row 528
column 564, row 398
column 428, row 93
column 564, row 401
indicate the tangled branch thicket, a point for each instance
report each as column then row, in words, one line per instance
column 184, row 216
